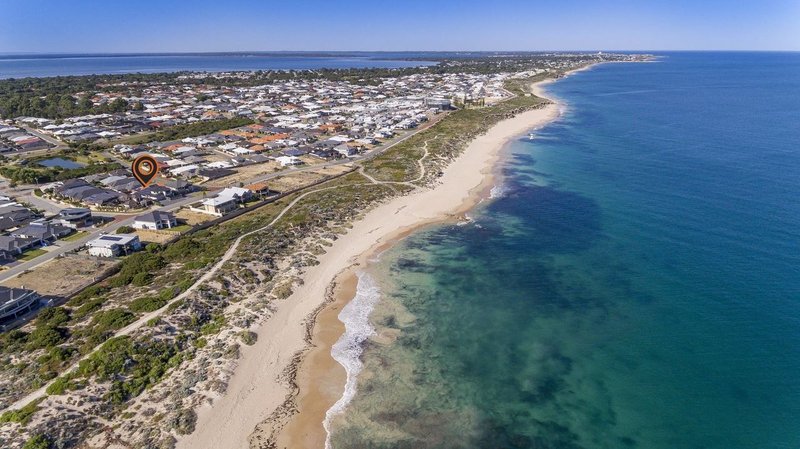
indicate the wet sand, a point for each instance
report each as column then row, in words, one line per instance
column 320, row 378
column 286, row 381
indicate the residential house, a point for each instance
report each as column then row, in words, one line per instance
column 261, row 189
column 114, row 245
column 224, row 202
column 155, row 220
column 11, row 245
column 288, row 160
column 74, row 217
column 16, row 301
column 42, row 232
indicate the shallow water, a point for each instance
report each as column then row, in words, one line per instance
column 635, row 282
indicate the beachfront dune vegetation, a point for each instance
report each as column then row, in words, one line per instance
column 126, row 366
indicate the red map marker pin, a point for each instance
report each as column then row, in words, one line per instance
column 144, row 169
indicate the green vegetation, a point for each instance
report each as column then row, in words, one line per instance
column 89, row 293
column 49, row 331
column 124, row 230
column 38, row 441
column 60, row 386
column 32, row 173
column 111, row 320
column 190, row 130
column 31, row 254
column 130, row 365
column 213, row 326
column 55, row 104
column 23, row 415
column 102, row 326
column 75, row 236
column 53, row 316
column 88, row 307
column 147, row 304
column 138, row 268
column 249, row 338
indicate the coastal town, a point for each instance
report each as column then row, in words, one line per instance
column 124, row 308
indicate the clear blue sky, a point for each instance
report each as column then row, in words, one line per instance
column 249, row 25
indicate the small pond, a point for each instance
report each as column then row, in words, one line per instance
column 60, row 162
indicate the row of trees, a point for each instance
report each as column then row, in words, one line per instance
column 193, row 129
column 64, row 96
column 56, row 106
column 19, row 174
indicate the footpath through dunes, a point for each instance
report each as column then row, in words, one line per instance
column 144, row 319
column 282, row 337
column 315, row 381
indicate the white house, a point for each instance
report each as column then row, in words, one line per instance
column 114, row 245
column 288, row 160
column 186, row 170
column 226, row 201
column 345, row 150
column 155, row 220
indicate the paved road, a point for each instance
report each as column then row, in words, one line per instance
column 59, row 145
column 126, row 219
column 378, row 150
column 61, row 247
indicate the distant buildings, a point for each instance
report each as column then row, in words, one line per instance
column 18, row 140
column 439, row 103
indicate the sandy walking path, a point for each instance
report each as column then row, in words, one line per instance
column 255, row 390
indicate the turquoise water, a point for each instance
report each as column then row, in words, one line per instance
column 636, row 286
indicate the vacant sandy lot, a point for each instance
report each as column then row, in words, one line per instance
column 62, row 276
column 244, row 175
column 155, row 236
column 302, row 178
column 192, row 218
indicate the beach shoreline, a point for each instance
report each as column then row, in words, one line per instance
column 284, row 384
column 320, row 379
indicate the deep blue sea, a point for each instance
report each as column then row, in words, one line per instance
column 22, row 66
column 636, row 286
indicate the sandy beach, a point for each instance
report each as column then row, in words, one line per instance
column 262, row 395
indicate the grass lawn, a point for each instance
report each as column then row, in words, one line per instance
column 181, row 228
column 32, row 254
column 74, row 236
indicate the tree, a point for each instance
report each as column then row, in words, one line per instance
column 118, row 105
column 85, row 103
column 124, row 230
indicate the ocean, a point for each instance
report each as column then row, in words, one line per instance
column 44, row 65
column 634, row 284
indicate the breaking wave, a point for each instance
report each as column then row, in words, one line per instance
column 347, row 350
column 498, row 191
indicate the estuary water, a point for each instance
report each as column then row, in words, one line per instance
column 43, row 65
column 636, row 284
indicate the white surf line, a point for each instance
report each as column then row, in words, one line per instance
column 347, row 350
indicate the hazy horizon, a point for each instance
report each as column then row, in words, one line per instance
column 148, row 26
column 344, row 52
